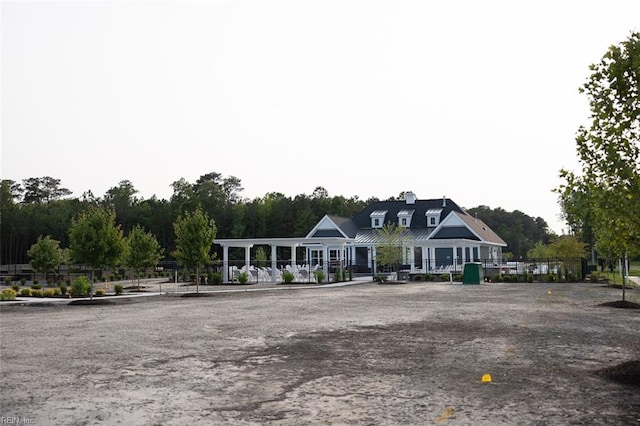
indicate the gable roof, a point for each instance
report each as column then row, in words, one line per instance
column 482, row 230
column 334, row 226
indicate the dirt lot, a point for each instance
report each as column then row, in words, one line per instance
column 365, row 354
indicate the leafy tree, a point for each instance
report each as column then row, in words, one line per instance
column 142, row 251
column 195, row 233
column 567, row 247
column 520, row 231
column 609, row 154
column 46, row 255
column 232, row 187
column 539, row 251
column 95, row 240
column 389, row 250
column 43, row 189
column 122, row 199
column 261, row 257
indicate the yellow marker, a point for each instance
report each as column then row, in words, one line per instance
column 448, row 412
column 549, row 292
column 486, row 378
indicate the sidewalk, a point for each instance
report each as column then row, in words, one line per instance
column 172, row 289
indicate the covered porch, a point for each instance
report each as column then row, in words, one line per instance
column 318, row 254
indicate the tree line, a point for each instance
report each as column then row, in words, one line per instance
column 41, row 206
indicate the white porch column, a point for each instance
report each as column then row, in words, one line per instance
column 293, row 257
column 274, row 263
column 412, row 259
column 247, row 258
column 425, row 256
column 454, row 257
column 373, row 261
column 325, row 261
column 225, row 264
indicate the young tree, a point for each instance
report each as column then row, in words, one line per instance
column 95, row 240
column 46, row 255
column 539, row 251
column 195, row 233
column 609, row 153
column 567, row 247
column 142, row 251
column 389, row 250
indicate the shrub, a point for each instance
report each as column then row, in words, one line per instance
column 118, row 289
column 444, row 277
column 15, row 288
column 515, row 278
column 457, row 277
column 243, row 278
column 35, row 282
column 36, row 286
column 551, row 278
column 49, row 292
column 418, row 277
column 288, row 277
column 80, row 286
column 57, row 291
column 497, row 278
column 216, row 278
column 99, row 292
column 429, row 277
column 36, row 292
column 506, row 278
column 7, row 280
column 26, row 292
column 379, row 278
column 63, row 289
column 529, row 278
column 338, row 276
column 8, row 294
column 319, row 276
column 23, row 281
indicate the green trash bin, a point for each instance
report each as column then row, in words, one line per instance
column 472, row 273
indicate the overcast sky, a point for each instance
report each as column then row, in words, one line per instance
column 475, row 100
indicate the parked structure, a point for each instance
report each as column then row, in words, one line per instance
column 437, row 236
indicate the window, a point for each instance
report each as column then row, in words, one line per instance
column 377, row 218
column 433, row 217
column 404, row 221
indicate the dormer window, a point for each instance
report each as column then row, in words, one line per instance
column 433, row 217
column 377, row 218
column 404, row 218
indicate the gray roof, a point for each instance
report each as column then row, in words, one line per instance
column 359, row 228
column 420, row 207
column 345, row 224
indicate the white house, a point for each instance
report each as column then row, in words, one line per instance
column 437, row 235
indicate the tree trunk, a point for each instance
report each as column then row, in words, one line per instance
column 197, row 279
column 91, row 285
column 625, row 272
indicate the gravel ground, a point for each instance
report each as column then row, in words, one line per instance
column 366, row 354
